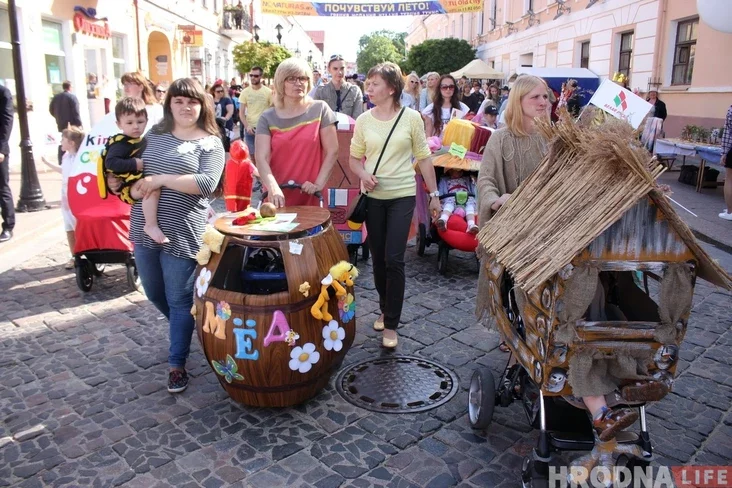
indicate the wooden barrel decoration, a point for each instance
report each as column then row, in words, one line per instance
column 253, row 305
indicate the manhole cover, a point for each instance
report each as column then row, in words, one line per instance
column 397, row 384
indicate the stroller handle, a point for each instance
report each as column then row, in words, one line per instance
column 291, row 185
column 449, row 195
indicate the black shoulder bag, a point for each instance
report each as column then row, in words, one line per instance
column 357, row 212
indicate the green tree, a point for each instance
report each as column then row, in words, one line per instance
column 440, row 55
column 398, row 38
column 378, row 49
column 265, row 54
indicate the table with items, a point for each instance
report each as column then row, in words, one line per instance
column 706, row 153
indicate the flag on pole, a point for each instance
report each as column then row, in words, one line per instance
column 621, row 103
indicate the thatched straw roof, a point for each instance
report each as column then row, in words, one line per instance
column 589, row 179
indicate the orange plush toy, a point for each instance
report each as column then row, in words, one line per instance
column 238, row 178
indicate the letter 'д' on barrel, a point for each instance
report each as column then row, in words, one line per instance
column 255, row 305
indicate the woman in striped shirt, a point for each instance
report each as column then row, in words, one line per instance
column 185, row 158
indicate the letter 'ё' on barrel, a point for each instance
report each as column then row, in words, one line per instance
column 252, row 305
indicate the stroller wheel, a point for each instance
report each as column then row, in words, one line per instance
column 421, row 239
column 629, row 462
column 531, row 477
column 442, row 254
column 481, row 398
column 84, row 275
column 133, row 279
column 99, row 269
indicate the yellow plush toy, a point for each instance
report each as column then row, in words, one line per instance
column 340, row 276
column 212, row 241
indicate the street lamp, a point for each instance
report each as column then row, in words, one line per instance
column 310, row 56
column 279, row 28
column 297, row 52
column 31, row 197
column 256, row 33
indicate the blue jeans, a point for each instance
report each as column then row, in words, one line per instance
column 168, row 283
column 249, row 140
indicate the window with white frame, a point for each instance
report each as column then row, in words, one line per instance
column 479, row 27
column 493, row 13
column 7, row 76
column 625, row 59
column 55, row 56
column 684, row 52
column 118, row 61
column 528, row 6
column 585, row 54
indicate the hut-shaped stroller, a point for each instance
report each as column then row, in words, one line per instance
column 565, row 266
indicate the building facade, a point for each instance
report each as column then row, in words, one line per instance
column 659, row 44
column 73, row 39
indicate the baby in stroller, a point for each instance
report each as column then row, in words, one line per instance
column 122, row 163
column 460, row 186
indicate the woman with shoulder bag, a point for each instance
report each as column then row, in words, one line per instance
column 389, row 136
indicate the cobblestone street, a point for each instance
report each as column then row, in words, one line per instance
column 83, row 399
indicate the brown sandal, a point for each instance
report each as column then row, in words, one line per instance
column 503, row 347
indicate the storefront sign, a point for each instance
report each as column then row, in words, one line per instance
column 86, row 22
column 348, row 9
column 196, row 67
column 190, row 36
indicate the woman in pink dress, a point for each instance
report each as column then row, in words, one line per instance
column 296, row 139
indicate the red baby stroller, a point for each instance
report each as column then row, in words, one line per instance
column 456, row 235
column 102, row 225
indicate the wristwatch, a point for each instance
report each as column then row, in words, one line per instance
column 435, row 194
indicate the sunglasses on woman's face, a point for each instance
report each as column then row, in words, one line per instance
column 447, row 87
column 413, row 82
column 160, row 91
column 219, row 91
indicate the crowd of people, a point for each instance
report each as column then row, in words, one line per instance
column 169, row 174
column 167, row 161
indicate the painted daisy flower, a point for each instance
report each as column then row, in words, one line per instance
column 204, row 278
column 208, row 144
column 333, row 335
column 186, row 147
column 303, row 358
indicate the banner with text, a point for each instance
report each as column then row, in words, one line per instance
column 366, row 9
column 621, row 103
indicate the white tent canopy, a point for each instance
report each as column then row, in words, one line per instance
column 478, row 69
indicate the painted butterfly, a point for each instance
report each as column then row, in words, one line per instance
column 228, row 370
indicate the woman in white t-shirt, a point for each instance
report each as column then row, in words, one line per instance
column 448, row 99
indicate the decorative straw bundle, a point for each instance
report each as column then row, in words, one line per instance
column 588, row 180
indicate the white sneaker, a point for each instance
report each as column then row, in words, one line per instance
column 725, row 215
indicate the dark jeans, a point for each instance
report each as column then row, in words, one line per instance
column 388, row 223
column 6, row 196
column 168, row 283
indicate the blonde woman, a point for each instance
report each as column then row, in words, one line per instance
column 296, row 139
column 428, row 94
column 510, row 156
column 411, row 93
